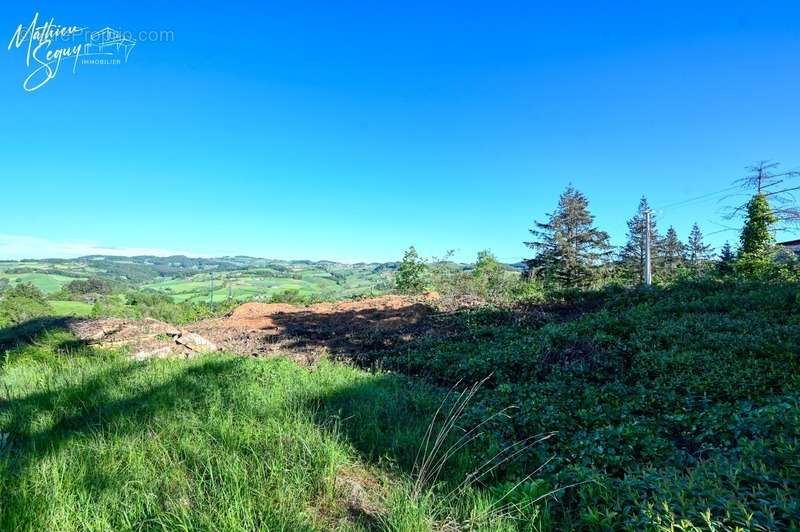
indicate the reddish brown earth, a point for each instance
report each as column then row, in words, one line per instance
column 340, row 328
column 355, row 330
column 345, row 328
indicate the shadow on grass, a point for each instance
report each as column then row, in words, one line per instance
column 38, row 425
column 368, row 336
column 385, row 419
column 354, row 334
column 26, row 332
column 59, row 412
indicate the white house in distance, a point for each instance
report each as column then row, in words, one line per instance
column 109, row 41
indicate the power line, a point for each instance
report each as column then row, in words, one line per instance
column 690, row 200
column 726, row 230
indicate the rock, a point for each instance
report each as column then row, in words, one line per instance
column 114, row 331
column 197, row 343
column 161, row 327
column 143, row 339
column 159, row 352
column 94, row 330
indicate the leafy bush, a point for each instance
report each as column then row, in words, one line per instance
column 152, row 304
column 488, row 276
column 291, row 296
column 410, row 277
column 21, row 303
column 680, row 404
column 487, row 281
column 89, row 286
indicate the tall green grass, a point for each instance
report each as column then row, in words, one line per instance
column 90, row 440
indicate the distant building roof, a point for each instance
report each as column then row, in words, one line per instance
column 794, row 245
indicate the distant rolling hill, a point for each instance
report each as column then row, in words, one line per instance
column 190, row 279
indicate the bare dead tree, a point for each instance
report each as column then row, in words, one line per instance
column 764, row 177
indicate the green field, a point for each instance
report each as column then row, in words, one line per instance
column 71, row 308
column 47, row 283
column 242, row 286
column 189, row 280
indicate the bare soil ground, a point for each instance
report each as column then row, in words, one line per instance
column 344, row 328
column 351, row 330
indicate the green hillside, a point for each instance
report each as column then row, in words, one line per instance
column 673, row 408
column 189, row 279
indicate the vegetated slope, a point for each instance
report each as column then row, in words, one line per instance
column 683, row 404
column 676, row 407
column 90, row 440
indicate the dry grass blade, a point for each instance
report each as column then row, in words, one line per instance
column 433, row 454
column 433, row 459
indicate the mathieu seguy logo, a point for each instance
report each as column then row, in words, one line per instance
column 49, row 46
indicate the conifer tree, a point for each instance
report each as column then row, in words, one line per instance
column 632, row 255
column 570, row 249
column 768, row 180
column 756, row 239
column 671, row 253
column 757, row 245
column 726, row 259
column 697, row 251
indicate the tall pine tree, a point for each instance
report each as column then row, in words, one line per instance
column 757, row 245
column 632, row 255
column 756, row 239
column 697, row 252
column 570, row 250
column 671, row 253
column 726, row 259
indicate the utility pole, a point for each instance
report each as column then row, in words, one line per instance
column 212, row 291
column 648, row 276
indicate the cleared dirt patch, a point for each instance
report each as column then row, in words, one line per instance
column 354, row 330
column 341, row 328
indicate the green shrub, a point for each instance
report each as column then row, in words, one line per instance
column 410, row 277
column 680, row 404
column 488, row 277
column 151, row 304
column 21, row 303
column 89, row 286
column 292, row 296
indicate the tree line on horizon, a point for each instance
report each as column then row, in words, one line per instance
column 571, row 252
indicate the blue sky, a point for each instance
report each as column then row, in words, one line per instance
column 350, row 130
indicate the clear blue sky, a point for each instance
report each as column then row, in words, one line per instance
column 350, row 130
